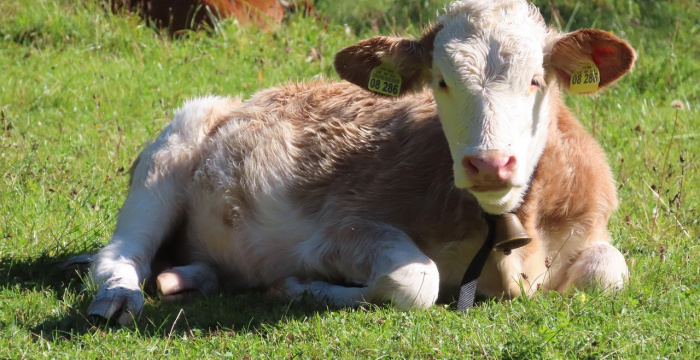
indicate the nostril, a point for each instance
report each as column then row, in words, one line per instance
column 506, row 171
column 471, row 164
column 492, row 166
column 510, row 164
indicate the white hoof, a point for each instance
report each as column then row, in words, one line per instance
column 114, row 299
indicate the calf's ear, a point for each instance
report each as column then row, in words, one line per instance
column 572, row 52
column 408, row 59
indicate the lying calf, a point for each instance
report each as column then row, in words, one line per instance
column 308, row 187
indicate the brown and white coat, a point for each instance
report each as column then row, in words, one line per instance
column 329, row 189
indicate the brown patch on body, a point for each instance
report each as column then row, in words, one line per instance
column 362, row 161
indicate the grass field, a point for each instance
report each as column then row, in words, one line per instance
column 81, row 91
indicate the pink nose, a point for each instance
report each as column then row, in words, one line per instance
column 493, row 167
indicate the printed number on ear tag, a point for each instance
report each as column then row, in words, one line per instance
column 385, row 80
column 585, row 79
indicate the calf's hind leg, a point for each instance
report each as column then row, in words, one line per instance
column 383, row 259
column 121, row 267
column 155, row 202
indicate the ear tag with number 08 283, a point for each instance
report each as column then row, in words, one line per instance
column 385, row 80
column 585, row 79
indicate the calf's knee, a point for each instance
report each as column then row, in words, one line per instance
column 600, row 265
column 411, row 286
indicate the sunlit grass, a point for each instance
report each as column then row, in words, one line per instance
column 81, row 91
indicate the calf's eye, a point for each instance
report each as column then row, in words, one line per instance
column 537, row 83
column 442, row 84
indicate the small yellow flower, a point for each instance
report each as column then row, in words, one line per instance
column 583, row 298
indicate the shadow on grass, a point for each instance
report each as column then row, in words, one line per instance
column 38, row 273
column 230, row 310
column 225, row 312
column 42, row 273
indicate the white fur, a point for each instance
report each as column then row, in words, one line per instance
column 487, row 60
column 153, row 204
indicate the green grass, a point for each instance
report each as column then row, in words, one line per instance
column 82, row 90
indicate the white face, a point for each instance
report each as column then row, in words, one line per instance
column 489, row 86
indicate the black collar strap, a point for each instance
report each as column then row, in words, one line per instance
column 505, row 233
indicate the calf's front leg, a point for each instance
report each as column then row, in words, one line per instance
column 600, row 265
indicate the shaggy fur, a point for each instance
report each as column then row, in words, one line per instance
column 351, row 196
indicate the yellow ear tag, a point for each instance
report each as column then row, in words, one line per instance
column 385, row 80
column 585, row 79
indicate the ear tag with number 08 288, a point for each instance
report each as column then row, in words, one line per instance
column 385, row 80
column 585, row 79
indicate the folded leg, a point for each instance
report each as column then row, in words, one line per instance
column 600, row 265
column 381, row 258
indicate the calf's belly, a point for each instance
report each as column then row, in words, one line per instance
column 249, row 251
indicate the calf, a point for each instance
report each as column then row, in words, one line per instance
column 331, row 189
column 176, row 15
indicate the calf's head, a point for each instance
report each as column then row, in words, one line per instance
column 492, row 67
